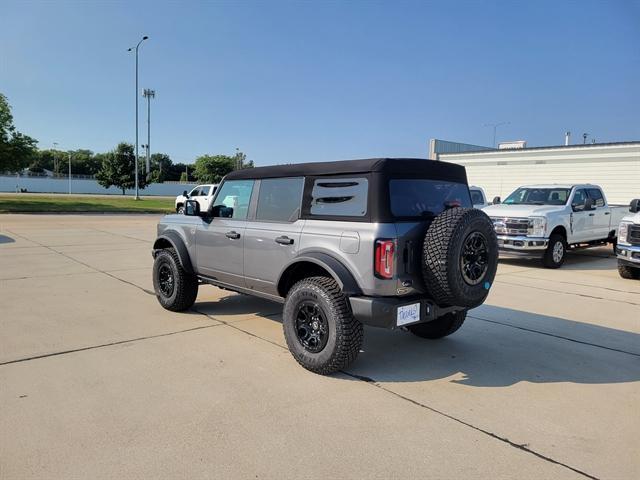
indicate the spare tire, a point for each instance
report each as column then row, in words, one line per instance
column 460, row 257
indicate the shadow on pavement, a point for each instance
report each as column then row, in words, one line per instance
column 6, row 239
column 496, row 347
column 486, row 354
column 239, row 305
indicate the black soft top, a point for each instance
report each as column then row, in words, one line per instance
column 393, row 167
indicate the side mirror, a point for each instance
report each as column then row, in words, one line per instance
column 222, row 211
column 634, row 206
column 185, row 194
column 496, row 200
column 192, row 208
column 588, row 204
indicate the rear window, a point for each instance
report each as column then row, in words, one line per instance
column 476, row 197
column 426, row 198
column 279, row 199
column 340, row 197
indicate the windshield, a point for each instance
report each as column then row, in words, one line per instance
column 426, row 198
column 538, row 196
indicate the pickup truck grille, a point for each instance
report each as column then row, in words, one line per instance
column 510, row 225
column 633, row 235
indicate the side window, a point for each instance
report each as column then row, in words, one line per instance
column 476, row 197
column 195, row 192
column 596, row 195
column 578, row 199
column 204, row 191
column 232, row 201
column 341, row 197
column 279, row 199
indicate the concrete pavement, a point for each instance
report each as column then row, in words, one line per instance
column 97, row 380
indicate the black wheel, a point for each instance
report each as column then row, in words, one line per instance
column 320, row 330
column 175, row 289
column 180, row 209
column 460, row 257
column 628, row 272
column 556, row 252
column 441, row 327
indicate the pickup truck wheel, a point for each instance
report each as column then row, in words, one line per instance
column 628, row 272
column 321, row 332
column 460, row 257
column 180, row 209
column 440, row 327
column 175, row 289
column 556, row 252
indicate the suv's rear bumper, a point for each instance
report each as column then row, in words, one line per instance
column 383, row 311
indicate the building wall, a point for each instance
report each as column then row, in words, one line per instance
column 12, row 183
column 616, row 168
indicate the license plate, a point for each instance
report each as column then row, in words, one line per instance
column 408, row 314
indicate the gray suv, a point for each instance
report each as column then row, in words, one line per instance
column 391, row 243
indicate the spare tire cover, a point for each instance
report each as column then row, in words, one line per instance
column 460, row 257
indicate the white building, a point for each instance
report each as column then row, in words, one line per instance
column 613, row 166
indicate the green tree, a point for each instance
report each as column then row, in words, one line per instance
column 118, row 169
column 16, row 149
column 84, row 162
column 160, row 167
column 211, row 168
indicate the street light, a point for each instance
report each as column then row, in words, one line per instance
column 495, row 127
column 148, row 94
column 130, row 50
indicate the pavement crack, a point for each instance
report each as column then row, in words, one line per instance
column 569, row 339
column 569, row 293
column 523, row 447
column 102, row 345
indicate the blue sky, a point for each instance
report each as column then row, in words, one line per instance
column 308, row 81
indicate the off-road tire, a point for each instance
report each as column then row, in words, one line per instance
column 442, row 257
column 628, row 272
column 548, row 259
column 185, row 285
column 441, row 327
column 344, row 331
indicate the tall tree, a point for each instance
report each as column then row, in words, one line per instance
column 16, row 149
column 160, row 167
column 211, row 168
column 118, row 169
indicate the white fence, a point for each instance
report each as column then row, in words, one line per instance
column 14, row 183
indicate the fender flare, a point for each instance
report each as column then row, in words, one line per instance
column 177, row 243
column 336, row 269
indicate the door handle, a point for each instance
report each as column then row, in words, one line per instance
column 592, row 214
column 232, row 235
column 607, row 213
column 284, row 240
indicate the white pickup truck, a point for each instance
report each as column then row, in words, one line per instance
column 628, row 248
column 547, row 220
column 203, row 194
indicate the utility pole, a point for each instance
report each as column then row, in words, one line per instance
column 495, row 128
column 148, row 94
column 137, row 197
column 69, row 153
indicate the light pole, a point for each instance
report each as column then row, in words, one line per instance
column 130, row 50
column 495, row 127
column 148, row 94
column 69, row 153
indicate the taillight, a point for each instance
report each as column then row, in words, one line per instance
column 384, row 258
